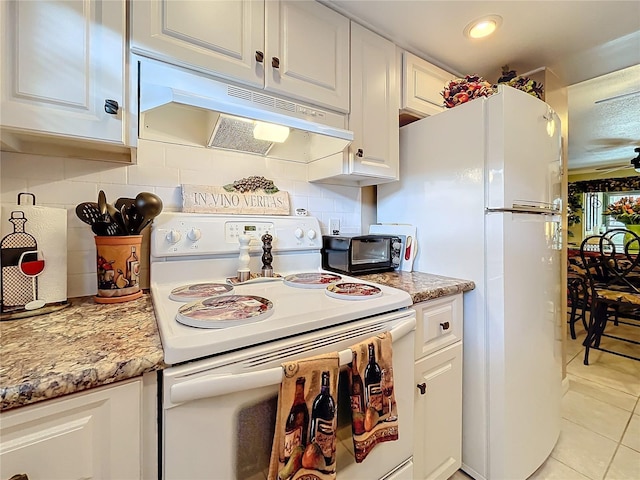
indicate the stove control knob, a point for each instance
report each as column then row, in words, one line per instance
column 173, row 237
column 298, row 233
column 311, row 234
column 194, row 234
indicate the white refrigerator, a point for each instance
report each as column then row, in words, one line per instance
column 482, row 184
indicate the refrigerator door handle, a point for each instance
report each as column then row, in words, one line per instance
column 522, row 209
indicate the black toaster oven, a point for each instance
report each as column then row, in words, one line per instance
column 361, row 254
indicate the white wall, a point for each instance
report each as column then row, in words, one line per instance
column 161, row 168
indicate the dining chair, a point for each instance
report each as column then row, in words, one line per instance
column 577, row 300
column 611, row 263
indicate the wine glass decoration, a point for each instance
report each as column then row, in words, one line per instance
column 386, row 384
column 31, row 264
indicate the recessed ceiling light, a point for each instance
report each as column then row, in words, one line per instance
column 483, row 26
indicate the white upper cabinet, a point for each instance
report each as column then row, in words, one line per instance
column 296, row 48
column 374, row 105
column 422, row 84
column 225, row 37
column 307, row 52
column 373, row 156
column 63, row 71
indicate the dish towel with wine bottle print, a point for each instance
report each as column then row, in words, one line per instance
column 304, row 442
column 374, row 416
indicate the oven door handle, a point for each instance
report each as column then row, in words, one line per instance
column 214, row 385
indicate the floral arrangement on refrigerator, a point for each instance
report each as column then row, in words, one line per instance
column 462, row 90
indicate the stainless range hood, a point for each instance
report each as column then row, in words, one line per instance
column 178, row 106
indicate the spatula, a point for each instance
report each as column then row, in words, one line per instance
column 89, row 213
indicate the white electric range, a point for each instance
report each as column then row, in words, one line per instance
column 231, row 371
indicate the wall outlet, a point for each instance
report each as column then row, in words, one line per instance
column 334, row 226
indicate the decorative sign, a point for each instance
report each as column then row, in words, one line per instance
column 249, row 196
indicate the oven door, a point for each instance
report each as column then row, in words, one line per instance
column 218, row 414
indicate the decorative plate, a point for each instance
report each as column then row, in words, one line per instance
column 311, row 280
column 225, row 311
column 353, row 291
column 198, row 291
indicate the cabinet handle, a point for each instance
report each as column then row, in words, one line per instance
column 445, row 325
column 422, row 387
column 360, row 153
column 275, row 62
column 259, row 56
column 111, row 107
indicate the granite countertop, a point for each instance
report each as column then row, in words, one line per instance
column 87, row 344
column 83, row 346
column 421, row 286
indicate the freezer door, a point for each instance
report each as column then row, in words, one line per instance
column 523, row 163
column 523, row 341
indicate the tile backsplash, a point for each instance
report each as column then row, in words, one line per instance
column 161, row 168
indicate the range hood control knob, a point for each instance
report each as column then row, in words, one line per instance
column 173, row 237
column 194, row 234
column 298, row 233
column 311, row 234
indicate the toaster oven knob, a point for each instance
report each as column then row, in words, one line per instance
column 298, row 233
column 194, row 234
column 173, row 236
column 311, row 234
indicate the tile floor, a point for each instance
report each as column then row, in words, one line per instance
column 600, row 435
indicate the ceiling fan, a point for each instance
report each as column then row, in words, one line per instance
column 635, row 164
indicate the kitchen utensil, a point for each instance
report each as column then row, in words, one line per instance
column 125, row 219
column 124, row 201
column 102, row 228
column 89, row 213
column 134, row 218
column 102, row 203
column 148, row 206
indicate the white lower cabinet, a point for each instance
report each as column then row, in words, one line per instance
column 95, row 434
column 438, row 414
column 438, row 396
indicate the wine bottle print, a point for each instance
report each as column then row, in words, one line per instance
column 18, row 289
column 358, row 405
column 323, row 421
column 372, row 378
column 297, row 425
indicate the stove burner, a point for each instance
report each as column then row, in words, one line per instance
column 198, row 291
column 311, row 280
column 353, row 291
column 225, row 311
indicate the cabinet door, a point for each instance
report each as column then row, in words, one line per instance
column 374, row 105
column 438, row 414
column 225, row 38
column 422, row 85
column 438, row 323
column 86, row 435
column 61, row 61
column 307, row 53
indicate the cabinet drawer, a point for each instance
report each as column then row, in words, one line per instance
column 438, row 324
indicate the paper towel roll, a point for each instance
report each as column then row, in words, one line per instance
column 48, row 226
